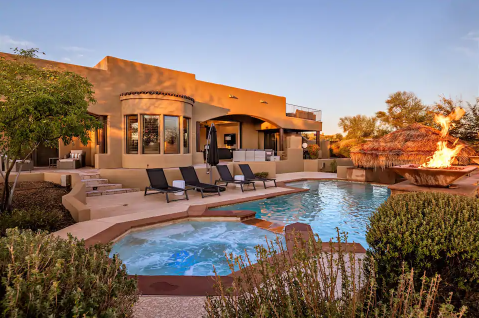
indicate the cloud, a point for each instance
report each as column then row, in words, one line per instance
column 472, row 36
column 76, row 49
column 466, row 51
column 7, row 42
column 66, row 59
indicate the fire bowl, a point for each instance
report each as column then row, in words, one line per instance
column 430, row 177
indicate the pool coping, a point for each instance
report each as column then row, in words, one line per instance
column 169, row 285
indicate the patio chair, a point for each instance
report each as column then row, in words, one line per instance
column 191, row 180
column 249, row 175
column 159, row 184
column 226, row 178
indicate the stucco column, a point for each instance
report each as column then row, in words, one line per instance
column 280, row 142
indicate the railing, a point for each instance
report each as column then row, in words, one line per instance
column 303, row 112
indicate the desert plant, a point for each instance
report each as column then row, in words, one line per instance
column 45, row 276
column 434, row 233
column 263, row 174
column 34, row 219
column 313, row 151
column 309, row 281
column 342, row 149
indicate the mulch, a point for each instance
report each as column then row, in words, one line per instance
column 39, row 194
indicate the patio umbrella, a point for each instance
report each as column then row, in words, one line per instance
column 212, row 157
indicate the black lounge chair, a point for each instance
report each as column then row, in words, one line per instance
column 249, row 175
column 226, row 177
column 159, row 184
column 191, row 180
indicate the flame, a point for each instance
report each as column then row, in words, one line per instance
column 443, row 157
column 445, row 121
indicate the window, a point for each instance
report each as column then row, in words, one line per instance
column 131, row 134
column 186, row 135
column 151, row 134
column 172, row 134
column 101, row 136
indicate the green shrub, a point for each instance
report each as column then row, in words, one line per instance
column 261, row 174
column 34, row 219
column 432, row 233
column 334, row 166
column 322, row 283
column 46, row 276
column 313, row 151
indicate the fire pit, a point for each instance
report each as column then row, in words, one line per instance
column 475, row 159
column 432, row 177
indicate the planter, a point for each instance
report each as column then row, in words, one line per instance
column 432, row 177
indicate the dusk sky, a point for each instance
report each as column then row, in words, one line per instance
column 343, row 57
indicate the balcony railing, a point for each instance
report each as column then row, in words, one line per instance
column 303, row 112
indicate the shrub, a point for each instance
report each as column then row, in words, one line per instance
column 46, row 276
column 261, row 174
column 322, row 283
column 432, row 233
column 313, row 151
column 342, row 149
column 33, row 219
column 334, row 166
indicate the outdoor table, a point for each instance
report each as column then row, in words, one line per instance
column 179, row 184
column 239, row 177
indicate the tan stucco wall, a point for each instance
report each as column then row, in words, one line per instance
column 113, row 76
column 137, row 178
column 257, row 166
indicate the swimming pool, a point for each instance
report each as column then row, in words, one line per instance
column 327, row 205
column 188, row 248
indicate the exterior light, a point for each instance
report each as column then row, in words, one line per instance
column 232, row 96
column 263, row 101
column 305, row 145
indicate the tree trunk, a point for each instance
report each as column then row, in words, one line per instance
column 5, row 206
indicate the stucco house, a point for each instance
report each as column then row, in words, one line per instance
column 158, row 118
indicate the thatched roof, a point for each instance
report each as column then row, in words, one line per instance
column 411, row 145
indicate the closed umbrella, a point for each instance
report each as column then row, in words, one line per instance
column 212, row 157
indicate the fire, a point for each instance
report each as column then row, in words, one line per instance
column 445, row 121
column 444, row 156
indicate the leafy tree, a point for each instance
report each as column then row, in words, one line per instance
column 466, row 128
column 39, row 106
column 358, row 127
column 404, row 109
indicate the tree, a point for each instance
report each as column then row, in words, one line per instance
column 467, row 127
column 358, row 127
column 404, row 109
column 39, row 106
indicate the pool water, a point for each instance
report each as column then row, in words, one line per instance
column 327, row 205
column 188, row 248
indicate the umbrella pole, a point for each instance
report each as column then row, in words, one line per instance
column 208, row 166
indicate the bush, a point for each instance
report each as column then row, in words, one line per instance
column 261, row 174
column 322, row 283
column 33, row 219
column 432, row 233
column 334, row 166
column 46, row 276
column 342, row 149
column 313, row 151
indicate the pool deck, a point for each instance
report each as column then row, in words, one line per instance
column 118, row 213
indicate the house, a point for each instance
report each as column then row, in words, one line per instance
column 156, row 117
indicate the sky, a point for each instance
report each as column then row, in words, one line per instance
column 342, row 57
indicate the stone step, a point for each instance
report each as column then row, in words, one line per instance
column 93, row 182
column 110, row 192
column 103, row 187
column 86, row 176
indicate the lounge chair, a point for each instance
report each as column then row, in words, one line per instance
column 192, row 181
column 159, row 184
column 249, row 175
column 226, row 177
